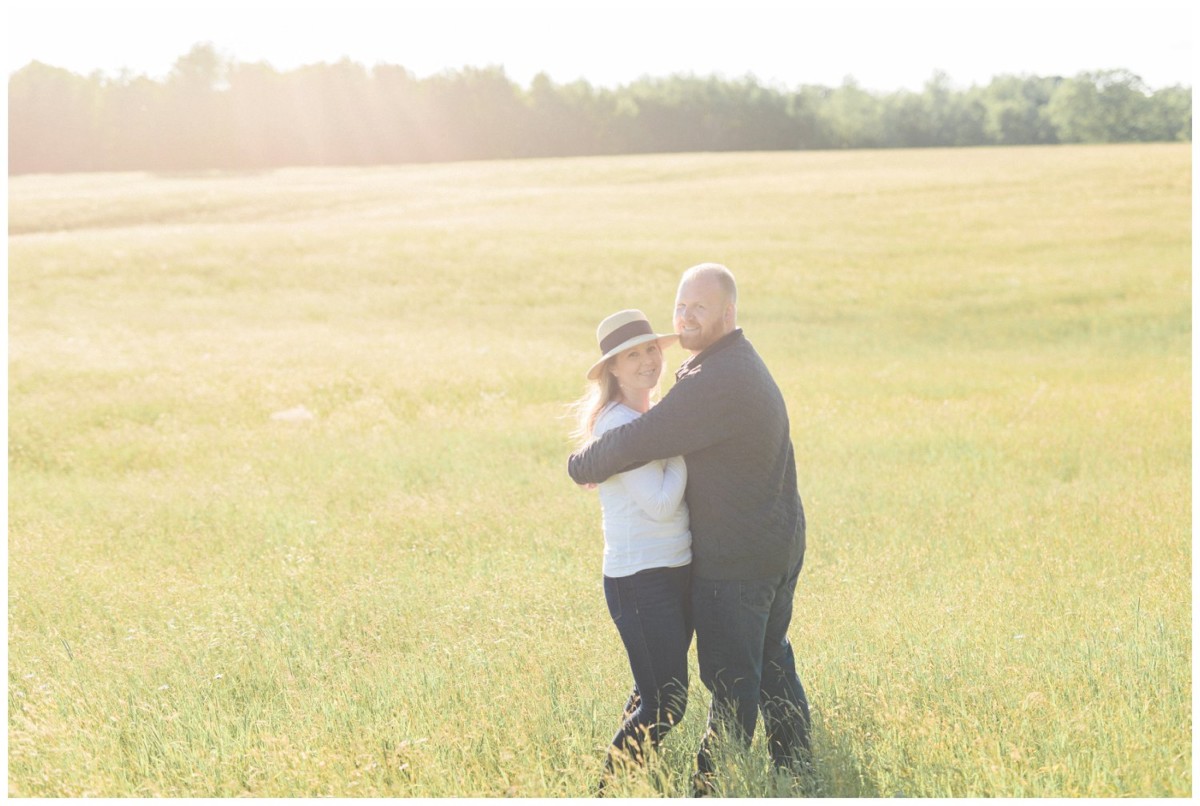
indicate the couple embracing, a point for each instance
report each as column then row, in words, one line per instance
column 703, row 525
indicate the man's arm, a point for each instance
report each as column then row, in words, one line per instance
column 693, row 415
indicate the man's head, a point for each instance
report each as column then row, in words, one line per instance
column 705, row 306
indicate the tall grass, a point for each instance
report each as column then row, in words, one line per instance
column 985, row 354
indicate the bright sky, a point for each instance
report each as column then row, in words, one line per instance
column 884, row 46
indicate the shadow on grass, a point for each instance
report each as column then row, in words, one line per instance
column 746, row 773
column 743, row 772
column 838, row 771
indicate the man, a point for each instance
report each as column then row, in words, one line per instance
column 727, row 417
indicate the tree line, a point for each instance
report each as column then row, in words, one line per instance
column 213, row 113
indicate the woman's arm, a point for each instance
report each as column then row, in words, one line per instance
column 658, row 492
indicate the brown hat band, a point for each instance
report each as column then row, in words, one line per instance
column 625, row 332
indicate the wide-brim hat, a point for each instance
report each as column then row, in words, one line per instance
column 623, row 330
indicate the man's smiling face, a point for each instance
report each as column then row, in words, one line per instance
column 703, row 313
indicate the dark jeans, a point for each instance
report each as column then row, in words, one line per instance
column 746, row 661
column 652, row 611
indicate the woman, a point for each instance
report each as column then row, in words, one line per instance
column 647, row 545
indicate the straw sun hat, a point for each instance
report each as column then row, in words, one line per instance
column 622, row 330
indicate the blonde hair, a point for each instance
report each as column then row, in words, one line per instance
column 586, row 410
column 600, row 392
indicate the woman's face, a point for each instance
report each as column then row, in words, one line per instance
column 639, row 367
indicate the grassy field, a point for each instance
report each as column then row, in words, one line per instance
column 986, row 356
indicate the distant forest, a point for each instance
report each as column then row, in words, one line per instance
column 212, row 113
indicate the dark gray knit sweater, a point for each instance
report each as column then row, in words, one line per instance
column 726, row 417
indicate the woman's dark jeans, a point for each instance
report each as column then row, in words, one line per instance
column 652, row 611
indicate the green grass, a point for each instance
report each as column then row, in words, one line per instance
column 986, row 355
